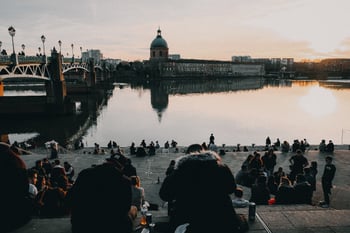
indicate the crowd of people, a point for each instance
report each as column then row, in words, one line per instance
column 295, row 186
column 195, row 183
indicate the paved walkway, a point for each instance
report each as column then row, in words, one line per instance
column 276, row 218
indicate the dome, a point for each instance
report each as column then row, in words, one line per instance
column 159, row 42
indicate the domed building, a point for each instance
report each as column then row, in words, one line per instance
column 159, row 48
column 161, row 65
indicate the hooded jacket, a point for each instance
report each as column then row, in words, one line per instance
column 201, row 186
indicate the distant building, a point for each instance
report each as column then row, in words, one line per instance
column 241, row 59
column 92, row 53
column 209, row 68
column 159, row 48
column 174, row 56
column 112, row 61
column 163, row 65
column 331, row 67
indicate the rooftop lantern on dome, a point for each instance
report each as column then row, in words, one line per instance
column 159, row 33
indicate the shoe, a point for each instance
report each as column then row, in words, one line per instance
column 325, row 206
column 321, row 203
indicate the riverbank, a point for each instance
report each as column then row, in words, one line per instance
column 150, row 168
column 275, row 218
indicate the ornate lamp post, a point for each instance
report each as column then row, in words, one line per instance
column 60, row 45
column 43, row 38
column 23, row 47
column 72, row 45
column 81, row 54
column 12, row 32
column 0, row 47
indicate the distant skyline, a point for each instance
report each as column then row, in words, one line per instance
column 199, row 29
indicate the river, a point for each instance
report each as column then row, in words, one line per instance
column 236, row 111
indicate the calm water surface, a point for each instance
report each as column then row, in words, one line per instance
column 235, row 111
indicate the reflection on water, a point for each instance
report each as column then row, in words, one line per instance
column 241, row 111
column 60, row 128
column 160, row 91
column 318, row 102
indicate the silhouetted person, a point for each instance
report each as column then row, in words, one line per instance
column 211, row 139
column 322, row 146
column 132, row 149
column 141, row 152
column 100, row 201
column 260, row 193
column 298, row 163
column 303, row 190
column 268, row 141
column 201, row 186
column 330, row 147
column 327, row 179
column 285, row 192
column 15, row 207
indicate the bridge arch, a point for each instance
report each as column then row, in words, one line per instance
column 75, row 68
column 37, row 71
column 66, row 67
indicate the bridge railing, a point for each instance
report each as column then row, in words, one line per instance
column 6, row 59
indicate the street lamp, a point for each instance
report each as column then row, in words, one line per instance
column 13, row 58
column 43, row 40
column 12, row 32
column 23, row 47
column 81, row 54
column 72, row 45
column 60, row 44
column 0, row 46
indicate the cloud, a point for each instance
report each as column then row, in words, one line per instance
column 202, row 29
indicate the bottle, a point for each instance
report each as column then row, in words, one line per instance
column 252, row 210
column 143, row 220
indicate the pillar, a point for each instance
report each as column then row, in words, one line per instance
column 91, row 82
column 56, row 89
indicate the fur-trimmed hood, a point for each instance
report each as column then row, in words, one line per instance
column 197, row 156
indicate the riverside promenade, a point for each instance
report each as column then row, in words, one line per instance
column 274, row 218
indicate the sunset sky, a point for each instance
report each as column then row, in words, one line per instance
column 201, row 29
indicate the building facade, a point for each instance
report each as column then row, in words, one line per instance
column 92, row 53
column 163, row 65
column 209, row 68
